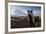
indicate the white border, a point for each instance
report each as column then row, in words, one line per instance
column 24, row 29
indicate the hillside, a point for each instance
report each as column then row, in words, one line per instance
column 22, row 22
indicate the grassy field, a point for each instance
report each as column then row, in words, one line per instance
column 22, row 22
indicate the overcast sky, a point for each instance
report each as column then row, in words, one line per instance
column 22, row 10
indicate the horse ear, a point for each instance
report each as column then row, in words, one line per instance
column 31, row 11
column 27, row 10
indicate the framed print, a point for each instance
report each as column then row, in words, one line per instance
column 25, row 17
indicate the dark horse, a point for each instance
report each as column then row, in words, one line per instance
column 30, row 16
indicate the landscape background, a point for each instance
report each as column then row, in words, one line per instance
column 19, row 16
